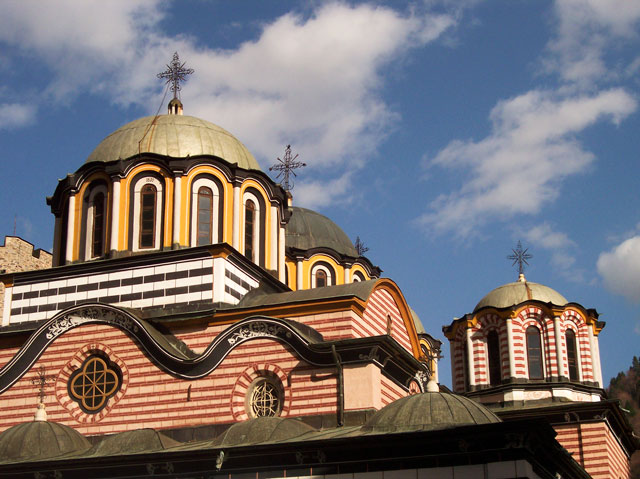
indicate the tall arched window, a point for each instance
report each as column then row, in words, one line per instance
column 534, row 353
column 97, row 235
column 465, row 366
column 205, row 216
column 147, row 216
column 572, row 356
column 493, row 353
column 322, row 274
column 249, row 229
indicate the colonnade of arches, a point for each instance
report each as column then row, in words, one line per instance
column 150, row 208
column 531, row 345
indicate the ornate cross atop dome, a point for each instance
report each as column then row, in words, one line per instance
column 520, row 256
column 175, row 73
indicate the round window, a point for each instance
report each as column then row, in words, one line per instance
column 264, row 397
column 97, row 380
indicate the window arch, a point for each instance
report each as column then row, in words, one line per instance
column 572, row 355
column 322, row 274
column 206, row 211
column 493, row 356
column 253, row 226
column 147, row 194
column 94, row 222
column 250, row 227
column 357, row 276
column 534, row 353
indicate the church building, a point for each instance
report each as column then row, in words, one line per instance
column 194, row 323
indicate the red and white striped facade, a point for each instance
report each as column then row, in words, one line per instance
column 468, row 338
column 151, row 397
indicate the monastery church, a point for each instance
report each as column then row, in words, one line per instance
column 191, row 322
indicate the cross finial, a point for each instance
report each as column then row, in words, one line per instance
column 360, row 246
column 286, row 167
column 520, row 257
column 42, row 381
column 175, row 73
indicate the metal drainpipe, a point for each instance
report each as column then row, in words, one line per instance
column 340, row 388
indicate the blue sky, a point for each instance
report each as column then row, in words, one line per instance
column 440, row 132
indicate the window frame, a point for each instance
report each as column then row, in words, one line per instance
column 576, row 364
column 136, row 232
column 534, row 354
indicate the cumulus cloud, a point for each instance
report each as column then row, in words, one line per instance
column 520, row 166
column 585, row 28
column 543, row 236
column 310, row 80
column 16, row 115
column 620, row 269
column 318, row 193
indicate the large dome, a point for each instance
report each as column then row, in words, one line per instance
column 429, row 411
column 177, row 136
column 512, row 294
column 307, row 229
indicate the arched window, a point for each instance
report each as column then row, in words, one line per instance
column 465, row 366
column 322, row 274
column 98, row 223
column 205, row 216
column 493, row 353
column 357, row 276
column 572, row 356
column 534, row 353
column 321, row 278
column 147, row 216
column 249, row 229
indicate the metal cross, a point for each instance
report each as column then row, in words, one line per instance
column 42, row 381
column 361, row 249
column 520, row 256
column 286, row 168
column 175, row 73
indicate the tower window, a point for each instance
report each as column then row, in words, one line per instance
column 98, row 223
column 147, row 216
column 534, row 353
column 572, row 356
column 249, row 229
column 493, row 353
column 205, row 216
column 265, row 397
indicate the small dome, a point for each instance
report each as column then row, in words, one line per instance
column 177, row 136
column 38, row 440
column 307, row 229
column 262, row 429
column 429, row 411
column 133, row 442
column 512, row 294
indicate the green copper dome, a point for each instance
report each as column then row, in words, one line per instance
column 512, row 294
column 429, row 411
column 262, row 429
column 39, row 440
column 177, row 136
column 307, row 229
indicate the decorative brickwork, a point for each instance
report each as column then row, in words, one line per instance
column 19, row 255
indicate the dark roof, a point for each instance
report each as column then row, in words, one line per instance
column 307, row 230
column 360, row 289
column 132, row 442
column 262, row 430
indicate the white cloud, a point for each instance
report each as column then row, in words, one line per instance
column 543, row 236
column 15, row 115
column 310, row 81
column 585, row 29
column 317, row 194
column 620, row 269
column 520, row 166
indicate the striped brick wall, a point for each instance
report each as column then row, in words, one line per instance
column 152, row 398
column 380, row 307
column 570, row 319
column 391, row 391
column 595, row 447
